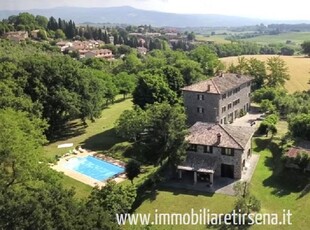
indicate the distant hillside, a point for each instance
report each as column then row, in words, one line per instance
column 134, row 16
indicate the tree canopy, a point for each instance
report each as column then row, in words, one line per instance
column 306, row 47
column 159, row 131
column 151, row 89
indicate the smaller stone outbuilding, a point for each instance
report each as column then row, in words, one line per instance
column 217, row 149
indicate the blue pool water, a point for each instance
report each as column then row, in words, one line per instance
column 93, row 167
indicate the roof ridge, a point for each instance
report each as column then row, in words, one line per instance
column 215, row 86
column 231, row 136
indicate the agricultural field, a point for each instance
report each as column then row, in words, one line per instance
column 220, row 39
column 294, row 37
column 299, row 70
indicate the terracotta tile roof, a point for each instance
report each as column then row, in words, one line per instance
column 200, row 163
column 293, row 152
column 230, row 136
column 219, row 84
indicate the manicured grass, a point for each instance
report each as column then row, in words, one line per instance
column 98, row 136
column 182, row 201
column 299, row 68
column 81, row 190
column 279, row 188
column 275, row 188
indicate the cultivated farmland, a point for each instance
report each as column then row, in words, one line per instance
column 299, row 69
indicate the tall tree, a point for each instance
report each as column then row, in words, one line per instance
column 190, row 70
column 125, row 83
column 257, row 69
column 20, row 145
column 114, row 198
column 52, row 24
column 165, row 134
column 306, row 47
column 207, row 58
column 132, row 169
column 278, row 72
column 42, row 21
column 174, row 78
column 131, row 124
column 151, row 89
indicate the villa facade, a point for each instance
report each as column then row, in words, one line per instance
column 219, row 99
column 217, row 148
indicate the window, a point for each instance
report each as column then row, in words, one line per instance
column 229, row 106
column 223, row 109
column 224, row 96
column 207, row 149
column 192, row 148
column 200, row 97
column 227, row 151
column 236, row 114
column 249, row 84
column 200, row 110
column 236, row 102
column 230, row 93
column 236, row 90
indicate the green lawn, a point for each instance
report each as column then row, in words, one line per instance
column 81, row 190
column 275, row 188
column 98, row 136
column 279, row 188
column 181, row 201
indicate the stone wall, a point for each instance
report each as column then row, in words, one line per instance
column 210, row 104
column 242, row 95
column 236, row 160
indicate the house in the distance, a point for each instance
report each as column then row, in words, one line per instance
column 219, row 99
column 292, row 156
column 16, row 36
column 216, row 150
column 100, row 53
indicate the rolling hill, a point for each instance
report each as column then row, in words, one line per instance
column 129, row 15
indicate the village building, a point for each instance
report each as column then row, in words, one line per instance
column 100, row 53
column 16, row 36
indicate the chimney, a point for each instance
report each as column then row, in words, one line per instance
column 219, row 138
column 209, row 88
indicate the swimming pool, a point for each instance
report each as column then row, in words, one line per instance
column 93, row 167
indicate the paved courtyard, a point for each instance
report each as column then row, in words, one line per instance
column 247, row 119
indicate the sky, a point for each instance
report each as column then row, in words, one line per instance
column 263, row 9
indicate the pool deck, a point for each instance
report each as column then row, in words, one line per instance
column 60, row 167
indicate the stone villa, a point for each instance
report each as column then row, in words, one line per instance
column 217, row 148
column 218, row 99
